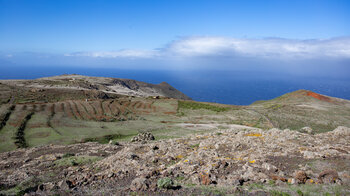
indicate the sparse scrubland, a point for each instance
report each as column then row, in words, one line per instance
column 72, row 135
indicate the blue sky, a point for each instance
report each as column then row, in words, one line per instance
column 96, row 25
column 177, row 33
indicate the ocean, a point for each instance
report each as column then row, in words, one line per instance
column 227, row 87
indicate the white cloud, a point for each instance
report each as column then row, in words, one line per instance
column 232, row 47
column 267, row 48
column 118, row 54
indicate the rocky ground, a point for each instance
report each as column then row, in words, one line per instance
column 254, row 161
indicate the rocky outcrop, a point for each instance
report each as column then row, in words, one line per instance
column 231, row 158
column 147, row 136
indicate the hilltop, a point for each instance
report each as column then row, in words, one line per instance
column 79, row 128
column 74, row 86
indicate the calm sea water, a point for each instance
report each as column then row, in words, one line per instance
column 228, row 87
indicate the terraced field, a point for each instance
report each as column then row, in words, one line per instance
column 72, row 121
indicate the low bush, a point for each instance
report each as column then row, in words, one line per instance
column 165, row 183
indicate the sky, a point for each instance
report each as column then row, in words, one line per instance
column 177, row 34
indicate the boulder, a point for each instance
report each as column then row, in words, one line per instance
column 301, row 177
column 143, row 137
column 139, row 184
column 307, row 130
column 328, row 176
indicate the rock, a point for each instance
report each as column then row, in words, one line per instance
column 139, row 184
column 307, row 130
column 280, row 183
column 143, row 137
column 204, row 178
column 291, row 181
column 269, row 167
column 222, row 165
column 134, row 157
column 328, row 176
column 111, row 142
column 340, row 130
column 309, row 154
column 65, row 184
column 276, row 178
column 300, row 177
column 155, row 147
column 238, row 182
column 49, row 186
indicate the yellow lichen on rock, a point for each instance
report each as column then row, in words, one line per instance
column 253, row 134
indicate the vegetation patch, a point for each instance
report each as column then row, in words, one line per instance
column 165, row 183
column 197, row 106
column 7, row 116
column 20, row 141
column 29, row 185
column 279, row 193
column 195, row 146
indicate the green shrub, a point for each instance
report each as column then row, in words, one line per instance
column 68, row 155
column 300, row 193
column 165, row 183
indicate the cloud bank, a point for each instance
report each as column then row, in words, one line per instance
column 267, row 48
column 276, row 55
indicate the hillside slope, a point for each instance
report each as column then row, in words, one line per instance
column 35, row 117
column 227, row 162
column 305, row 108
column 78, row 87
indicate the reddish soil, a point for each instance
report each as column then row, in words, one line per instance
column 76, row 110
column 139, row 105
column 68, row 110
column 169, row 112
column 318, row 96
column 83, row 111
column 133, row 104
column 41, row 134
column 37, row 125
column 59, row 107
column 105, row 108
column 97, row 106
column 19, row 118
column 114, row 108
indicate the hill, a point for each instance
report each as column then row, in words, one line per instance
column 64, row 110
column 70, row 120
